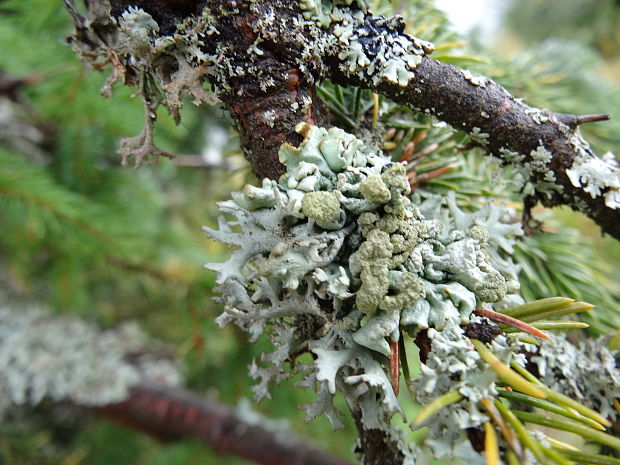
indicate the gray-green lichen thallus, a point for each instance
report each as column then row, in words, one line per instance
column 339, row 241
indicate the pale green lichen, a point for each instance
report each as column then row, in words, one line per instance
column 585, row 371
column 454, row 365
column 69, row 360
column 481, row 138
column 480, row 81
column 338, row 240
column 596, row 176
column 321, row 10
column 532, row 173
column 374, row 189
column 138, row 28
column 387, row 57
column 322, row 207
column 372, row 260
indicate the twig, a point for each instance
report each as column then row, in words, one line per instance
column 510, row 321
column 173, row 413
column 573, row 121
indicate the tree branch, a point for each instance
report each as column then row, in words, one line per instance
column 557, row 165
column 263, row 59
column 172, row 413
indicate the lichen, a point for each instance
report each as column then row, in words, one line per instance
column 67, row 359
column 391, row 56
column 338, row 241
column 596, row 176
column 585, row 371
column 532, row 172
column 374, row 189
column 321, row 10
column 322, row 207
column 480, row 81
column 481, row 138
column 454, row 365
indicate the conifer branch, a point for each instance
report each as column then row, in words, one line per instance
column 266, row 57
column 558, row 165
column 170, row 413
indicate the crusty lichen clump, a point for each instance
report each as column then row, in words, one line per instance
column 337, row 241
column 322, row 207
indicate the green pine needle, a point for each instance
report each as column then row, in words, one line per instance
column 550, row 407
column 570, row 426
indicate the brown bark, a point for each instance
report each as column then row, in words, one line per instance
column 173, row 413
column 266, row 94
column 444, row 91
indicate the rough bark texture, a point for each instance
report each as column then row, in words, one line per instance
column 444, row 91
column 374, row 446
column 172, row 413
column 267, row 94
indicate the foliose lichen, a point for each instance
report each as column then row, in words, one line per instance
column 454, row 365
column 586, row 371
column 391, row 56
column 321, row 10
column 335, row 256
column 596, row 176
column 476, row 80
column 532, row 172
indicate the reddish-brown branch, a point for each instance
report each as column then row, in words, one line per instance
column 173, row 413
column 395, row 366
column 510, row 321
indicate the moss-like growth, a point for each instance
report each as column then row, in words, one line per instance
column 373, row 258
column 321, row 206
column 374, row 189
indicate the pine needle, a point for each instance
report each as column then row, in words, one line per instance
column 511, row 321
column 507, row 433
column 559, row 444
column 490, row 444
column 511, row 377
column 570, row 426
column 435, row 406
column 560, row 325
column 594, row 459
column 561, row 399
column 576, row 307
column 551, row 407
column 537, row 306
column 525, row 438
column 375, row 109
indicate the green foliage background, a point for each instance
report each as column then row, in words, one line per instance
column 87, row 237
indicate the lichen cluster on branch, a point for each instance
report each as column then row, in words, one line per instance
column 287, row 45
column 336, row 257
column 68, row 360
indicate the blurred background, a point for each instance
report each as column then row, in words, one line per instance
column 81, row 235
